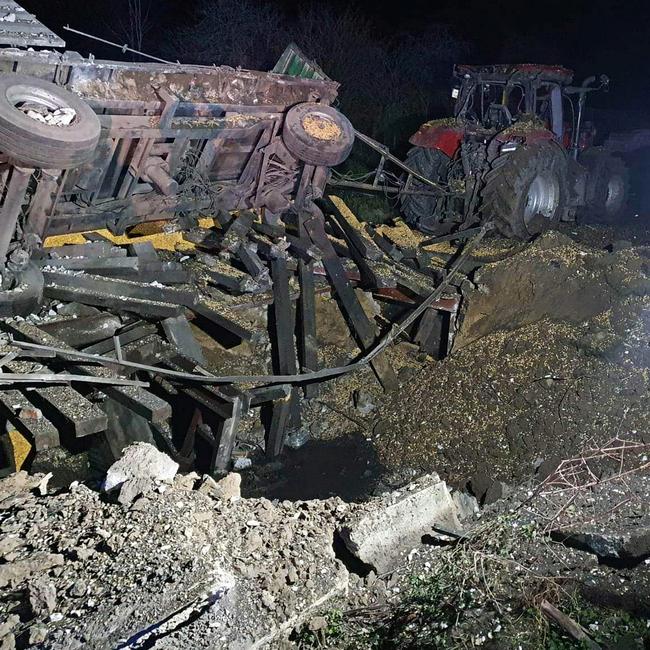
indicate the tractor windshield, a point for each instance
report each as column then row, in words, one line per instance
column 493, row 104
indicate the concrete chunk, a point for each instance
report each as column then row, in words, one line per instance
column 140, row 461
column 396, row 523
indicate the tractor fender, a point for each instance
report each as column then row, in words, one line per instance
column 445, row 135
column 528, row 134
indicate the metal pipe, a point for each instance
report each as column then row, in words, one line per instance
column 384, row 151
column 124, row 48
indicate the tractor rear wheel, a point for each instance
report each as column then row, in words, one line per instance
column 526, row 191
column 606, row 189
column 425, row 211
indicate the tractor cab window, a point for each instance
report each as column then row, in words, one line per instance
column 495, row 105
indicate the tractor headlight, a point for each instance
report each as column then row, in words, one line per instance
column 507, row 147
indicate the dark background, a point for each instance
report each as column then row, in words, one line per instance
column 393, row 59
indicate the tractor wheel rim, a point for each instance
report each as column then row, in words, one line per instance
column 543, row 197
column 615, row 190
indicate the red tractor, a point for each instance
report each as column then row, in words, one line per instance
column 516, row 152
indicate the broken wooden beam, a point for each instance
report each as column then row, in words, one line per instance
column 179, row 333
column 362, row 327
column 134, row 398
column 24, row 415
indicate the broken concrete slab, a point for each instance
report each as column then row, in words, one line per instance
column 632, row 544
column 392, row 525
column 140, row 461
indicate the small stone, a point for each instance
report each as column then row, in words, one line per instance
column 42, row 596
column 317, row 623
column 363, row 402
column 78, row 589
column 37, row 634
column 242, row 463
column 133, row 488
column 267, row 600
column 230, row 486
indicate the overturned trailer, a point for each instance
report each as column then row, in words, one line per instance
column 87, row 144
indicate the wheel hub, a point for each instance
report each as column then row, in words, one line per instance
column 543, row 197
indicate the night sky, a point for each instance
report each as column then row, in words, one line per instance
column 591, row 36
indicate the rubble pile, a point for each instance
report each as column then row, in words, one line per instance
column 184, row 561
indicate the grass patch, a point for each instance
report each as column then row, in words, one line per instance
column 474, row 595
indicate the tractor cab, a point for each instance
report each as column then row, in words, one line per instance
column 498, row 96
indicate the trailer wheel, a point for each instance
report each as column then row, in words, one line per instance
column 425, row 211
column 26, row 296
column 526, row 191
column 33, row 143
column 318, row 134
column 606, row 190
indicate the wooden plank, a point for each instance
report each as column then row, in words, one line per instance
column 84, row 417
column 278, row 426
column 42, row 432
column 307, row 342
column 179, row 333
column 226, row 437
column 361, row 325
column 135, row 398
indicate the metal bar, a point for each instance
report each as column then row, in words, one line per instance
column 124, row 48
column 64, row 378
column 384, row 151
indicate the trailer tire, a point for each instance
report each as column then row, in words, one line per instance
column 526, row 191
column 26, row 296
column 318, row 134
column 31, row 143
column 606, row 188
column 425, row 212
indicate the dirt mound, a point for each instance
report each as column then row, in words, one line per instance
column 551, row 356
column 554, row 277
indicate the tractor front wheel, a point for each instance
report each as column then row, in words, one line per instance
column 425, row 211
column 526, row 191
column 606, row 188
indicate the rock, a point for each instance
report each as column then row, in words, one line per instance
column 230, row 486
column 16, row 572
column 297, row 438
column 78, row 589
column 132, row 488
column 627, row 544
column 268, row 600
column 37, row 634
column 8, row 642
column 209, row 486
column 317, row 623
column 466, row 505
column 140, row 461
column 42, row 597
column 242, row 464
column 186, row 481
column 497, row 490
column 8, row 625
column 363, row 402
column 9, row 544
column 397, row 522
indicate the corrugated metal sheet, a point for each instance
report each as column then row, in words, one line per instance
column 293, row 62
column 21, row 29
